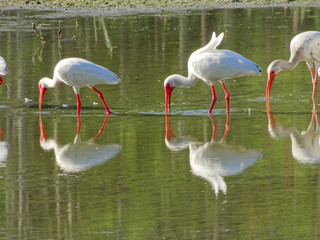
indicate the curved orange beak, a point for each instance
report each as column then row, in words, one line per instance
column 42, row 91
column 168, row 89
column 271, row 77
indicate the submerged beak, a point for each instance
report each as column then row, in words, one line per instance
column 42, row 91
column 168, row 90
column 271, row 77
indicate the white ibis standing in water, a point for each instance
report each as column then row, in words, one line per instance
column 303, row 47
column 3, row 68
column 78, row 73
column 211, row 65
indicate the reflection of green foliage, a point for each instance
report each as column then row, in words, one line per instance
column 37, row 30
column 37, row 56
column 148, row 192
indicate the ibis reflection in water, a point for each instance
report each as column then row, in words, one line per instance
column 4, row 149
column 305, row 145
column 215, row 159
column 79, row 156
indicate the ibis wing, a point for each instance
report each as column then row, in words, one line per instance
column 305, row 47
column 222, row 64
column 211, row 46
column 3, row 66
column 79, row 73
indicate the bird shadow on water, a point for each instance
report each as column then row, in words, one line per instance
column 215, row 159
column 78, row 155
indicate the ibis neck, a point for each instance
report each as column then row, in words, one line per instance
column 187, row 82
column 49, row 83
column 291, row 64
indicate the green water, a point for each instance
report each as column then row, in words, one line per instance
column 145, row 184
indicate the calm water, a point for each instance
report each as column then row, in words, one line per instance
column 137, row 174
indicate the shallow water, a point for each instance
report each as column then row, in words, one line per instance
column 138, row 174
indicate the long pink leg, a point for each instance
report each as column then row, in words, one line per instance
column 227, row 97
column 78, row 104
column 102, row 99
column 214, row 98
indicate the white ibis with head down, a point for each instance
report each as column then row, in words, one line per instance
column 303, row 47
column 211, row 65
column 78, row 73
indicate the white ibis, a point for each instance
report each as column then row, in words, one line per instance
column 211, row 65
column 303, row 47
column 78, row 73
column 3, row 68
column 79, row 156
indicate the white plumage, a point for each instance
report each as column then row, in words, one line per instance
column 78, row 73
column 3, row 68
column 4, row 151
column 303, row 47
column 211, row 65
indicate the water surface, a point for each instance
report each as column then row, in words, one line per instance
column 138, row 174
